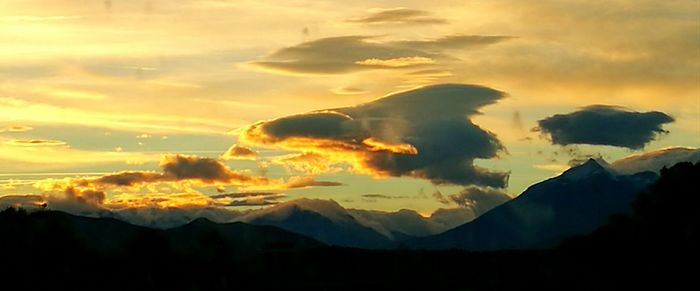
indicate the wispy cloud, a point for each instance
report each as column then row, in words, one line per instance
column 346, row 54
column 400, row 15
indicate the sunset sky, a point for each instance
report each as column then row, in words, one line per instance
column 135, row 103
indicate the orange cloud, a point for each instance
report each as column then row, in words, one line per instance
column 424, row 133
column 236, row 152
column 170, row 188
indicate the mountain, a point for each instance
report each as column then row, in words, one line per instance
column 113, row 236
column 576, row 202
column 243, row 239
column 324, row 220
column 407, row 223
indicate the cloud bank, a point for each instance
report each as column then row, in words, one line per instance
column 605, row 125
column 655, row 160
column 423, row 133
column 346, row 54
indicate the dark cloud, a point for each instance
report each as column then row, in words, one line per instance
column 383, row 196
column 605, row 125
column 207, row 170
column 353, row 53
column 22, row 201
column 245, row 194
column 129, row 178
column 399, row 16
column 89, row 197
column 36, row 142
column 423, row 133
column 236, row 152
column 252, row 203
column 480, row 199
column 178, row 168
column 304, row 182
column 439, row 197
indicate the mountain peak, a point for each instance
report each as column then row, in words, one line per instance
column 590, row 167
column 327, row 208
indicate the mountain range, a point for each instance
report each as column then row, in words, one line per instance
column 573, row 203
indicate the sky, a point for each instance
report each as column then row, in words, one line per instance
column 375, row 104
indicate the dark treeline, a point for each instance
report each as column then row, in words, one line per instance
column 651, row 248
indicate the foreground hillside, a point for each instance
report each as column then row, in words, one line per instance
column 650, row 247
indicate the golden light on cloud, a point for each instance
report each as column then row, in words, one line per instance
column 397, row 62
column 377, row 146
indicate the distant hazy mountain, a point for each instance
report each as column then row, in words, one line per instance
column 397, row 225
column 576, row 202
column 324, row 220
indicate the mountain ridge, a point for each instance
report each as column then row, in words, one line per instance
column 574, row 203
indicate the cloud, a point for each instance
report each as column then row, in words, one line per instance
column 248, row 198
column 89, row 197
column 168, row 217
column 481, row 200
column 207, row 170
column 346, row 54
column 396, row 62
column 305, row 182
column 252, row 202
column 129, row 178
column 399, row 15
column 452, row 217
column 348, row 90
column 383, row 196
column 236, row 152
column 439, row 197
column 174, row 168
column 170, row 188
column 605, row 125
column 478, row 200
column 147, row 214
column 16, row 128
column 35, row 143
column 22, row 201
column 307, row 162
column 244, row 194
column 655, row 160
column 423, row 133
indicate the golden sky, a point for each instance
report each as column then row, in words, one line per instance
column 93, row 88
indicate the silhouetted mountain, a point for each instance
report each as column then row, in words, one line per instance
column 113, row 236
column 653, row 247
column 574, row 203
column 324, row 220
